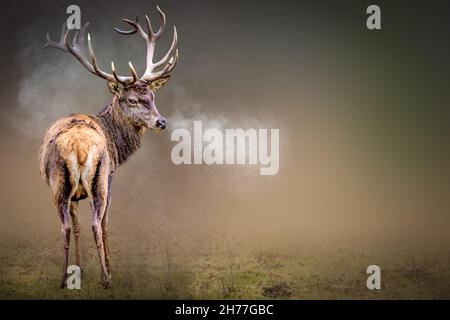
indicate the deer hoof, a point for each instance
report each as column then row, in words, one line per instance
column 106, row 282
column 63, row 282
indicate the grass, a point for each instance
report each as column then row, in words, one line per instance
column 162, row 265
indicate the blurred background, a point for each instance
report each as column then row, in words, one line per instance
column 363, row 118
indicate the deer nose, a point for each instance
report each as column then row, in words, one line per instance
column 161, row 123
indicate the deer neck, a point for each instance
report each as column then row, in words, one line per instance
column 123, row 137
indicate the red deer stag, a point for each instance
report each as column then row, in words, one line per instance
column 80, row 153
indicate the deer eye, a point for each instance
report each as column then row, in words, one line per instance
column 133, row 101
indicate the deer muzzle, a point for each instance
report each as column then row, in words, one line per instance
column 161, row 123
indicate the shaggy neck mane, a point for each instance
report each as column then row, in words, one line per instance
column 123, row 137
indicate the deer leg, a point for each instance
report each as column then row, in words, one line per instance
column 99, row 209
column 63, row 210
column 105, row 230
column 76, row 231
column 63, row 185
column 99, row 203
column 106, row 243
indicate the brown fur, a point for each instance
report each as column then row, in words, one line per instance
column 79, row 155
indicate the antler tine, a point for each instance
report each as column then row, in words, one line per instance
column 77, row 54
column 133, row 71
column 124, row 80
column 137, row 27
column 149, row 27
column 78, row 39
column 118, row 79
column 168, row 67
column 75, row 40
column 157, row 35
column 163, row 24
column 95, row 66
column 58, row 45
column 128, row 32
column 63, row 31
column 170, row 52
column 174, row 62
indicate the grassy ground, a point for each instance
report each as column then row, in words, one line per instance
column 206, row 266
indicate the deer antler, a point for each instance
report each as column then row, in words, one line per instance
column 77, row 50
column 169, row 61
column 151, row 73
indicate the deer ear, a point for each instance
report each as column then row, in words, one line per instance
column 158, row 83
column 113, row 87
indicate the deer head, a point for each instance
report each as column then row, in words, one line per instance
column 135, row 97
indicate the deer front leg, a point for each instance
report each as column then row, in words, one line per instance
column 76, row 231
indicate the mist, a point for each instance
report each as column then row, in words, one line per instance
column 340, row 147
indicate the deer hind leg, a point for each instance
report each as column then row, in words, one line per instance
column 76, row 231
column 63, row 210
column 105, row 229
column 99, row 202
column 64, row 188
